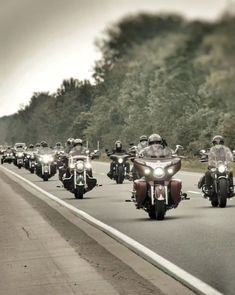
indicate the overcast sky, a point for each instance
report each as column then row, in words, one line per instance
column 43, row 42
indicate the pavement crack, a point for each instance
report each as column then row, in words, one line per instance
column 27, row 233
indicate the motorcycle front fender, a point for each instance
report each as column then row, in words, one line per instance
column 160, row 192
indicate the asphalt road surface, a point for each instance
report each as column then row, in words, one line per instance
column 196, row 237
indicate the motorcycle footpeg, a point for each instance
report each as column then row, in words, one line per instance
column 184, row 196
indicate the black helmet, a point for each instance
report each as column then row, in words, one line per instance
column 44, row 144
column 31, row 146
column 58, row 144
column 154, row 138
column 77, row 141
column 70, row 141
column 118, row 144
column 143, row 138
column 217, row 139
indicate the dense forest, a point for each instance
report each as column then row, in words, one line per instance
column 158, row 73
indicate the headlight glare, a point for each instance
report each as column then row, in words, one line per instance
column 159, row 172
column 147, row 171
column 120, row 160
column 221, row 168
column 170, row 170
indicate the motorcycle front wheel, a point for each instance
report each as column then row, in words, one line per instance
column 79, row 192
column 158, row 210
column 222, row 194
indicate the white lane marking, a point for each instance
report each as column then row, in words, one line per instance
column 170, row 268
column 193, row 192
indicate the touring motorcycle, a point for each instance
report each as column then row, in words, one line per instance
column 78, row 177
column 220, row 191
column 156, row 191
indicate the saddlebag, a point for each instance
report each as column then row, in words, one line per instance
column 175, row 188
column 91, row 183
column 140, row 186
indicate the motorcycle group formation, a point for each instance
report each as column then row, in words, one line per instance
column 155, row 189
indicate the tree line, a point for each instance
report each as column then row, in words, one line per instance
column 158, row 73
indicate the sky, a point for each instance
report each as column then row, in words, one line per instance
column 43, row 42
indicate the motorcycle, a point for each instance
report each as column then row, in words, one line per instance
column 8, row 157
column 45, row 166
column 156, row 191
column 120, row 166
column 19, row 159
column 219, row 191
column 78, row 177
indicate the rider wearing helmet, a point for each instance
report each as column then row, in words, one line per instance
column 31, row 147
column 157, row 147
column 218, row 152
column 143, row 143
column 78, row 148
column 117, row 150
column 69, row 145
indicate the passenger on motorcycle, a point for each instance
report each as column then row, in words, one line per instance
column 117, row 150
column 143, row 143
column 218, row 152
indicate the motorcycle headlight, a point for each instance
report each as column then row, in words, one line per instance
column 72, row 166
column 221, row 168
column 88, row 165
column 28, row 156
column 80, row 166
column 20, row 155
column 147, row 171
column 159, row 172
column 170, row 170
column 47, row 158
column 120, row 160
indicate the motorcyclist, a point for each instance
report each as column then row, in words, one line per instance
column 30, row 148
column 78, row 148
column 117, row 150
column 218, row 152
column 58, row 146
column 69, row 145
column 143, row 143
column 157, row 148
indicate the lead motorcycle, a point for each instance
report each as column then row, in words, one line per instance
column 78, row 178
column 156, row 191
column 220, row 189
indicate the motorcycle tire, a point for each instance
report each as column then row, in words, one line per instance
column 32, row 170
column 158, row 210
column 19, row 167
column 214, row 202
column 79, row 192
column 223, row 193
column 45, row 177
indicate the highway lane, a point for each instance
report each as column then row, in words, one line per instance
column 195, row 236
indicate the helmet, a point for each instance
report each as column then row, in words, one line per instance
column 77, row 141
column 118, row 144
column 31, row 146
column 217, row 139
column 154, row 138
column 143, row 138
column 58, row 144
column 70, row 141
column 44, row 144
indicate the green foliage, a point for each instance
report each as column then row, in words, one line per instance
column 158, row 73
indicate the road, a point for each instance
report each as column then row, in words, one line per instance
column 196, row 237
